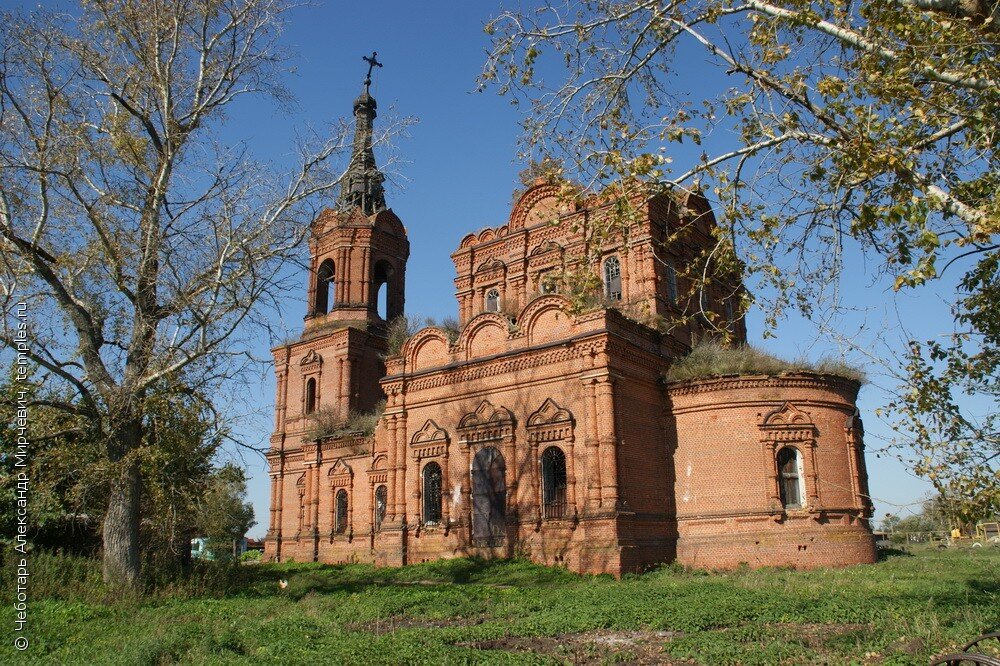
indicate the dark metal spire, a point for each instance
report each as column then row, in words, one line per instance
column 362, row 185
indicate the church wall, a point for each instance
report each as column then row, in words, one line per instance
column 646, row 527
column 523, row 393
column 729, row 508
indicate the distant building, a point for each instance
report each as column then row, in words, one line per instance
column 538, row 432
column 200, row 549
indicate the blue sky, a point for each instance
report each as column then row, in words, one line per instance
column 458, row 174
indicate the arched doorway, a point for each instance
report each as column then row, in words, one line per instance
column 489, row 497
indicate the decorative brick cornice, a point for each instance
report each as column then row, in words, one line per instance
column 356, row 441
column 472, row 371
column 806, row 380
column 433, row 451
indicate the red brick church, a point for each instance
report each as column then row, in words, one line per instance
column 538, row 430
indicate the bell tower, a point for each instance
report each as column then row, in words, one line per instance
column 358, row 254
column 357, row 258
column 358, row 250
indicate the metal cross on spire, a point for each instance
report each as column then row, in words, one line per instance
column 372, row 62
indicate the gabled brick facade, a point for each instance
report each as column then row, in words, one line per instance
column 549, row 434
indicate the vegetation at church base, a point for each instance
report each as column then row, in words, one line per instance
column 711, row 359
column 900, row 611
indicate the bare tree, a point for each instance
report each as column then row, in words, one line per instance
column 860, row 126
column 142, row 246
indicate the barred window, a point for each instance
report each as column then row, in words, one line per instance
column 432, row 493
column 554, row 482
column 613, row 279
column 341, row 524
column 381, row 501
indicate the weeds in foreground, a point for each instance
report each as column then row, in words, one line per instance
column 901, row 610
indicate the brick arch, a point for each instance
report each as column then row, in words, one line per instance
column 552, row 426
column 384, row 271
column 532, row 199
column 545, row 256
column 468, row 241
column 378, row 472
column 389, row 222
column 340, row 476
column 545, row 247
column 545, row 318
column 486, row 334
column 492, row 265
column 428, row 348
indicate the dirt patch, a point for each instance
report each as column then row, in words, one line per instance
column 392, row 624
column 592, row 647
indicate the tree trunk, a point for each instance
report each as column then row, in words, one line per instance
column 122, row 565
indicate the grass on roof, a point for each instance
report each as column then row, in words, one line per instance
column 711, row 359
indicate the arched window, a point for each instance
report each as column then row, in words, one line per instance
column 553, row 482
column 341, row 518
column 613, row 279
column 381, row 501
column 310, row 395
column 548, row 284
column 671, row 281
column 493, row 301
column 324, row 279
column 790, row 478
column 300, row 487
column 432, row 493
column 383, row 280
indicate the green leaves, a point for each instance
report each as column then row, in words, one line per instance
column 873, row 128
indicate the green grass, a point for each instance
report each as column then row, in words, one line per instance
column 899, row 611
